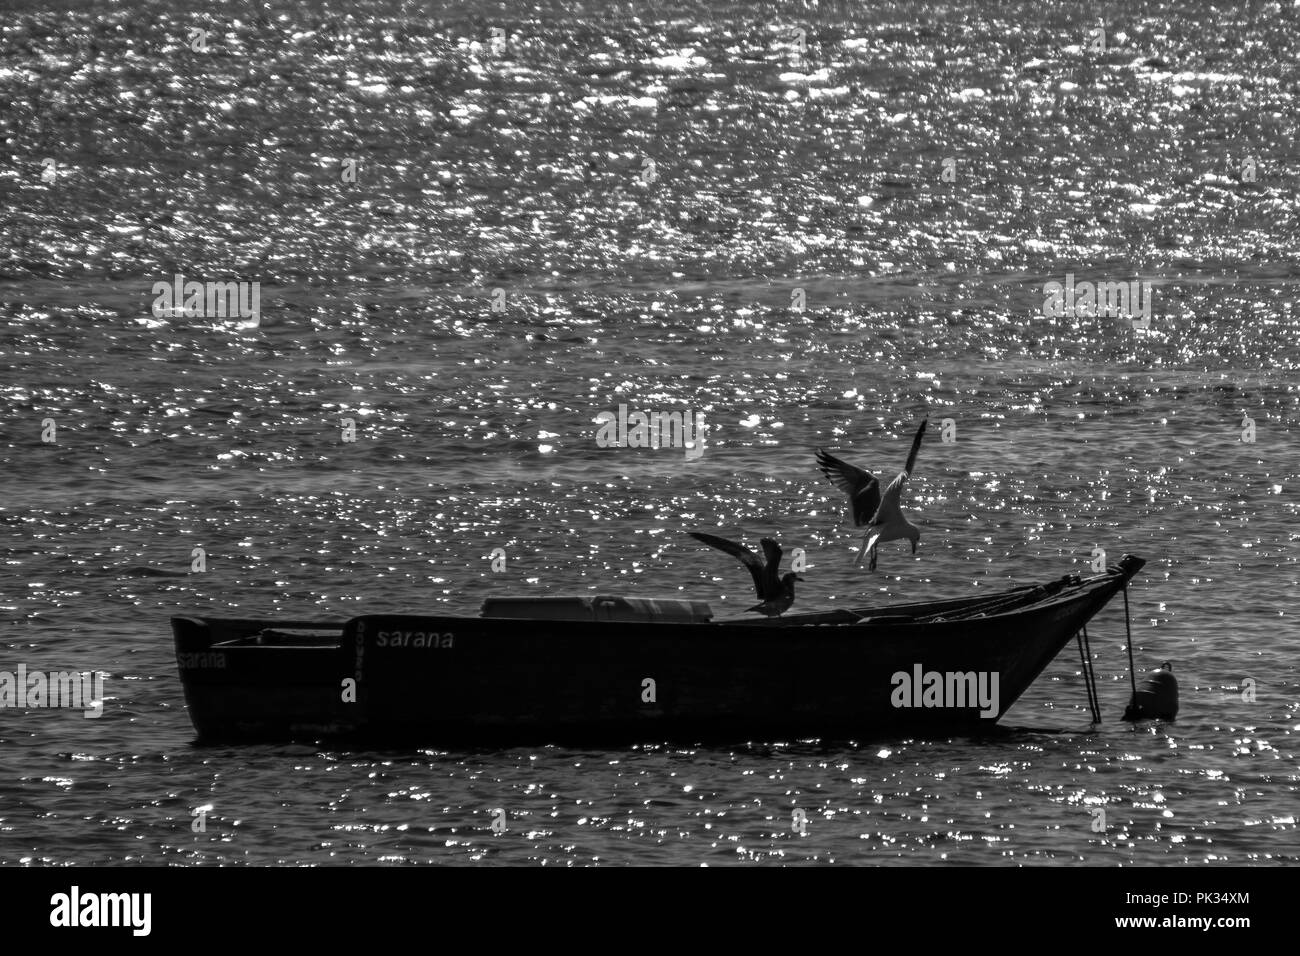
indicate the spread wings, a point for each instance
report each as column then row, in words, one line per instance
column 916, row 446
column 740, row 553
column 767, row 580
column 771, row 573
column 890, row 502
column 862, row 488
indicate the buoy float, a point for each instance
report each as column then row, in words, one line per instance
column 1157, row 698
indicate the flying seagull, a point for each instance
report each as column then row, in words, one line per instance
column 775, row 591
column 880, row 515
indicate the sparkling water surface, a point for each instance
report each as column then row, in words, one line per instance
column 652, row 187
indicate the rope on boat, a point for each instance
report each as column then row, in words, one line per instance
column 994, row 604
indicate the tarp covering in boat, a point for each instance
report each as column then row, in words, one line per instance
column 597, row 608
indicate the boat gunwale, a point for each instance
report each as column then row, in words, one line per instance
column 1115, row 577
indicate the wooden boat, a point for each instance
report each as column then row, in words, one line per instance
column 584, row 669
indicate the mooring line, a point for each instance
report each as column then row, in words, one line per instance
column 1092, row 677
column 1128, row 632
column 1089, row 685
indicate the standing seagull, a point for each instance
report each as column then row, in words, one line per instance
column 774, row 590
column 882, row 516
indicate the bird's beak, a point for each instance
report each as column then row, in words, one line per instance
column 914, row 547
column 798, row 577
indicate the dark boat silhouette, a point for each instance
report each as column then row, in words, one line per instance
column 586, row 669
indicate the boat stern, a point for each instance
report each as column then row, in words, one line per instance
column 246, row 679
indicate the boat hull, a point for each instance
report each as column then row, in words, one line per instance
column 443, row 680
